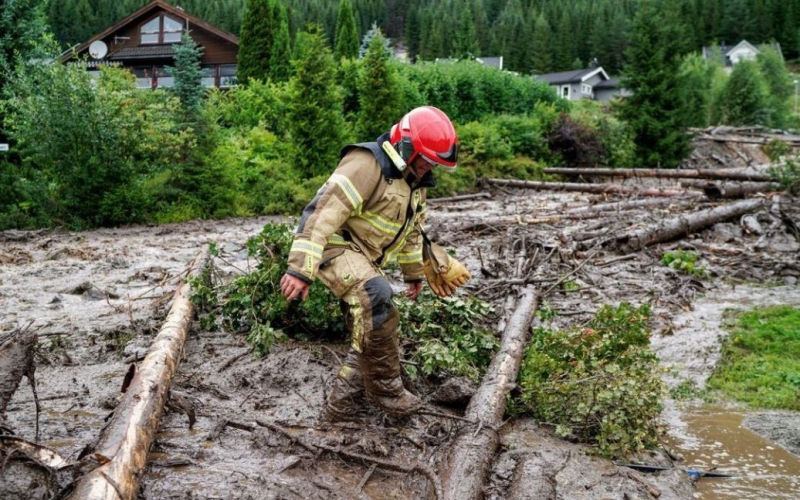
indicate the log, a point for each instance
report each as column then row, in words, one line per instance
column 468, row 461
column 462, row 197
column 585, row 188
column 720, row 174
column 125, row 442
column 671, row 229
column 719, row 190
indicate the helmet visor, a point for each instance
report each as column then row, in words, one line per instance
column 450, row 165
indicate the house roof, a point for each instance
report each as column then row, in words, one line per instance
column 146, row 52
column 574, row 76
column 495, row 62
column 612, row 83
column 155, row 4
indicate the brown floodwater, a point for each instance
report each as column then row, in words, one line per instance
column 715, row 437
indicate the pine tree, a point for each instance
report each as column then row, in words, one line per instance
column 654, row 111
column 346, row 32
column 280, row 59
column 745, row 99
column 315, row 120
column 373, row 32
column 188, row 75
column 465, row 45
column 380, row 91
column 565, row 43
column 256, row 41
column 413, row 36
column 541, row 52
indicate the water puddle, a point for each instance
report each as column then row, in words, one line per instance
column 714, row 437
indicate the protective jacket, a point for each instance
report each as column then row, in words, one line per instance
column 366, row 205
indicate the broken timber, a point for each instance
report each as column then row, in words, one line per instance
column 468, row 461
column 716, row 191
column 671, row 229
column 461, row 197
column 125, row 442
column 721, row 174
column 585, row 188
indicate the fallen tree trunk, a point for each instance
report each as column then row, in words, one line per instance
column 125, row 442
column 684, row 224
column 722, row 174
column 620, row 206
column 461, row 197
column 719, row 190
column 584, row 188
column 468, row 461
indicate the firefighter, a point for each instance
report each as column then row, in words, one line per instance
column 369, row 213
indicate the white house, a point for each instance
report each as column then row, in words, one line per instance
column 592, row 83
column 744, row 51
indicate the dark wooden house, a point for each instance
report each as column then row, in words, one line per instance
column 144, row 41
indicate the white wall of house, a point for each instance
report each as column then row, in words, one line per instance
column 742, row 54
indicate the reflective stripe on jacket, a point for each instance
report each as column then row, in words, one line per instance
column 366, row 203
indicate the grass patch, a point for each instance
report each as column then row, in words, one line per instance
column 760, row 362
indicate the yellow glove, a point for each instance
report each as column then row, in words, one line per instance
column 444, row 273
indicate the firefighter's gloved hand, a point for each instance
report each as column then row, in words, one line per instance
column 446, row 280
column 456, row 275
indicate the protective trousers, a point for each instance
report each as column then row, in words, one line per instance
column 372, row 320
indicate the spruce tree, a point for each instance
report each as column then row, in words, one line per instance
column 654, row 111
column 256, row 41
column 745, row 98
column 413, row 35
column 565, row 43
column 280, row 59
column 541, row 51
column 346, row 32
column 380, row 93
column 465, row 45
column 315, row 121
column 188, row 75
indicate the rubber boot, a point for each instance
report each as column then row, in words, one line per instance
column 346, row 396
column 380, row 364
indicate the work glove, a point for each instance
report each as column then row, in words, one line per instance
column 444, row 273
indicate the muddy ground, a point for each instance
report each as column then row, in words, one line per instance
column 97, row 299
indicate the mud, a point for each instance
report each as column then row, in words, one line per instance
column 97, row 299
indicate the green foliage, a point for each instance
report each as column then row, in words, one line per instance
column 380, row 101
column 23, row 30
column 447, row 335
column 779, row 85
column 776, row 148
column 253, row 302
column 697, row 77
column 685, row 262
column 346, row 33
column 788, row 175
column 91, row 158
column 256, row 41
column 316, row 123
column 281, row 55
column 760, row 362
column 655, row 111
column 745, row 98
column 596, row 383
column 465, row 44
column 257, row 104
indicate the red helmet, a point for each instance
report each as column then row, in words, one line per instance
column 428, row 132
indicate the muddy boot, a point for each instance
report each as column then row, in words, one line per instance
column 380, row 364
column 346, row 396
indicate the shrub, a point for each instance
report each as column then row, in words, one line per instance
column 788, row 175
column 683, row 261
column 253, row 302
column 597, row 383
column 575, row 143
column 776, row 148
column 446, row 335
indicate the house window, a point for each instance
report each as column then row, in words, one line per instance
column 587, row 89
column 227, row 75
column 208, row 76
column 161, row 29
column 144, row 77
column 565, row 91
column 164, row 79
